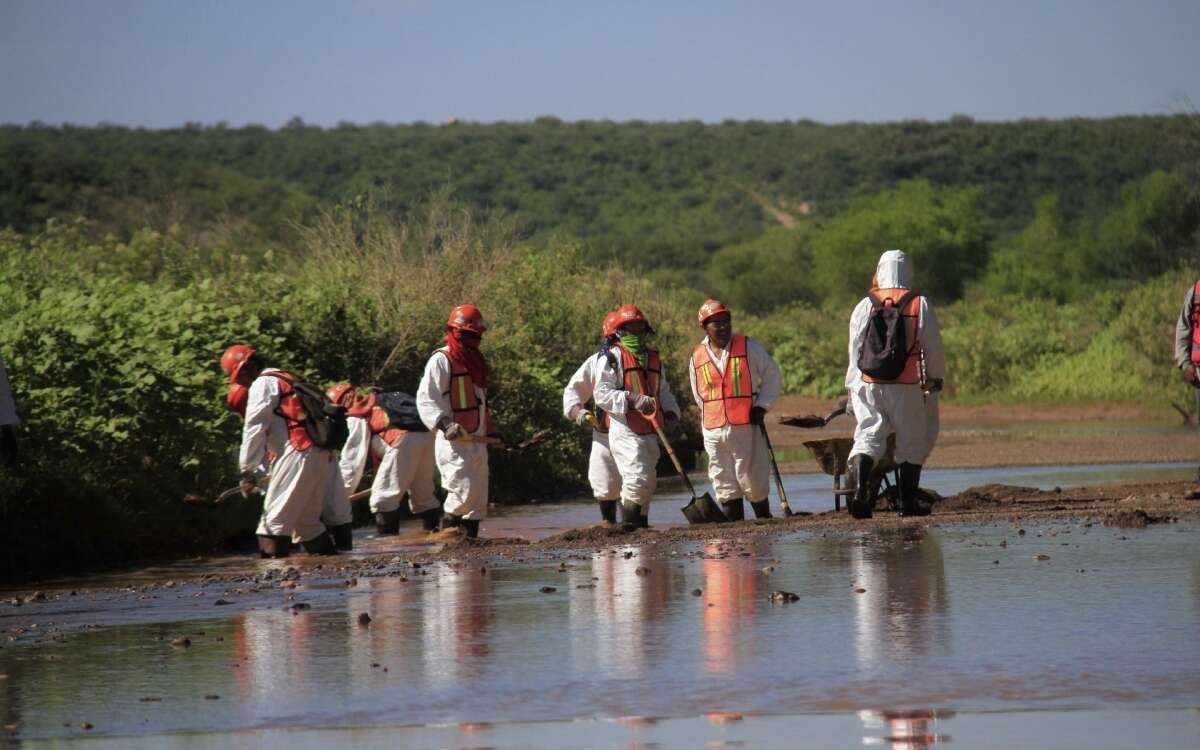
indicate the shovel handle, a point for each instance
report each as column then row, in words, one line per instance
column 783, row 501
column 662, row 436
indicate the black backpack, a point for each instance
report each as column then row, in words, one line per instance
column 885, row 348
column 324, row 421
column 401, row 409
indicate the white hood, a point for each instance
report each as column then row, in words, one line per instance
column 894, row 271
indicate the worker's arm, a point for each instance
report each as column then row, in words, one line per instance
column 858, row 325
column 261, row 404
column 609, row 395
column 695, row 388
column 432, row 404
column 930, row 338
column 578, row 390
column 354, row 453
column 1183, row 331
column 764, row 371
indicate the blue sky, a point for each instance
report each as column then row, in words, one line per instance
column 160, row 64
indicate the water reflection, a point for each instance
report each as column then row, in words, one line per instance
column 458, row 616
column 900, row 604
column 731, row 594
column 904, row 730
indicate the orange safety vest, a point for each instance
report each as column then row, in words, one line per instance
column 638, row 382
column 463, row 401
column 911, row 375
column 291, row 411
column 727, row 397
column 1196, row 324
column 379, row 424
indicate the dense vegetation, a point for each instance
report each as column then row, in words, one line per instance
column 1056, row 253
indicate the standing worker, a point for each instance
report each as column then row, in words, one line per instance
column 8, row 420
column 305, row 501
column 602, row 469
column 452, row 399
column 735, row 382
column 1187, row 342
column 888, row 383
column 632, row 390
column 405, row 461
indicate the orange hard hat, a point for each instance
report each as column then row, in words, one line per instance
column 233, row 359
column 631, row 314
column 710, row 308
column 357, row 402
column 336, row 393
column 237, row 398
column 611, row 322
column 467, row 318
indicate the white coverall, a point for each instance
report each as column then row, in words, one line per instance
column 602, row 469
column 406, row 466
column 8, row 407
column 738, row 464
column 306, row 493
column 883, row 408
column 462, row 464
column 635, row 455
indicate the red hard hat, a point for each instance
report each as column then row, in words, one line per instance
column 237, row 397
column 611, row 322
column 233, row 359
column 336, row 393
column 467, row 318
column 357, row 402
column 631, row 314
column 710, row 308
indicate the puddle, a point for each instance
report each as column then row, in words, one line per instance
column 959, row 620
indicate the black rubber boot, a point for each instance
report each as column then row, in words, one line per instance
column 387, row 522
column 343, row 536
column 910, row 482
column 471, row 527
column 274, row 546
column 430, row 518
column 762, row 509
column 321, row 544
column 643, row 518
column 608, row 510
column 450, row 521
column 860, row 466
column 631, row 516
column 735, row 510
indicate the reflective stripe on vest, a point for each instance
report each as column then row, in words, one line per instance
column 727, row 400
column 640, row 382
column 1196, row 324
column 911, row 375
column 291, row 411
column 463, row 401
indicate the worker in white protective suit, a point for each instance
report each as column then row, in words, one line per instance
column 734, row 382
column 8, row 420
column 894, row 398
column 632, row 390
column 452, row 401
column 603, row 476
column 404, row 456
column 305, row 501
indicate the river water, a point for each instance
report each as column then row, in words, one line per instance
column 913, row 638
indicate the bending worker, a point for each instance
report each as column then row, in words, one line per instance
column 893, row 399
column 452, row 400
column 404, row 456
column 632, row 389
column 305, row 495
column 735, row 382
column 602, row 469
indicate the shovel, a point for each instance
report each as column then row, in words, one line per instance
column 783, row 503
column 701, row 509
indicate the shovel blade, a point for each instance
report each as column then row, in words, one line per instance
column 703, row 509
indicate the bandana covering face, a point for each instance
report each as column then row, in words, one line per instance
column 637, row 347
column 467, row 356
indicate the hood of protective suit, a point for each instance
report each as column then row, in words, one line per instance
column 894, row 271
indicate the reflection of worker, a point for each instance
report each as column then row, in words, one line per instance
column 602, row 469
column 894, row 403
column 8, row 420
column 405, row 460
column 735, row 382
column 733, row 588
column 633, row 389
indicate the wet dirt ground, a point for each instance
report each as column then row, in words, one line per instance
column 1025, row 611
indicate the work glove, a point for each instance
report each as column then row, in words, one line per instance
column 642, row 403
column 248, row 484
column 8, row 446
column 1189, row 373
column 453, row 431
column 585, row 418
column 756, row 415
column 933, row 385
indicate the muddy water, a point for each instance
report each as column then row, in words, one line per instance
column 960, row 619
